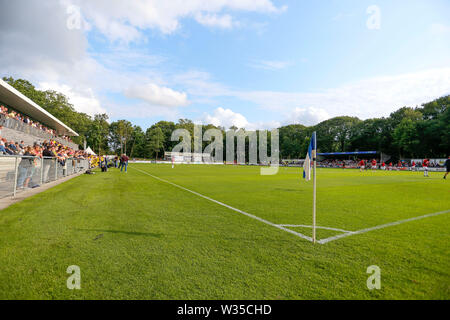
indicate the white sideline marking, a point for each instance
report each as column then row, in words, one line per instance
column 229, row 207
column 317, row 227
column 323, row 241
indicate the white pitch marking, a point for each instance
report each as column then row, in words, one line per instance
column 282, row 227
column 323, row 241
column 229, row 207
column 317, row 227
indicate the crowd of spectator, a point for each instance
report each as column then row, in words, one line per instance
column 432, row 164
column 50, row 148
column 11, row 114
column 333, row 163
column 47, row 151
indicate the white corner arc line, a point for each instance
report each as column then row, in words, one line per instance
column 317, row 227
column 323, row 241
column 229, row 207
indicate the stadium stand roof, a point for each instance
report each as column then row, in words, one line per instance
column 25, row 105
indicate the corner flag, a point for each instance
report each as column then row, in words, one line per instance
column 309, row 157
column 307, row 176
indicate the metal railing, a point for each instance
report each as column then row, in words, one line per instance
column 18, row 173
column 26, row 128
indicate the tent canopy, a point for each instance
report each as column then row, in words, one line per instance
column 89, row 151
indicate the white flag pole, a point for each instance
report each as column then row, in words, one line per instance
column 314, row 155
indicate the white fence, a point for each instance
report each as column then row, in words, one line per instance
column 18, row 173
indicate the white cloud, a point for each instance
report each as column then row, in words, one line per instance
column 37, row 39
column 368, row 98
column 214, row 20
column 269, row 64
column 228, row 118
column 124, row 20
column 156, row 95
column 83, row 100
column 116, row 30
column 307, row 116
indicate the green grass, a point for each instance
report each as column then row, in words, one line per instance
column 135, row 237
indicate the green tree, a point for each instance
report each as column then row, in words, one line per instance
column 98, row 134
column 120, row 134
column 155, row 142
column 333, row 135
column 137, row 142
column 406, row 138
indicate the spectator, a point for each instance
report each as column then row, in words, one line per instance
column 124, row 162
column 25, row 170
column 2, row 146
column 47, row 155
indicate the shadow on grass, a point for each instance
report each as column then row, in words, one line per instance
column 131, row 233
column 188, row 236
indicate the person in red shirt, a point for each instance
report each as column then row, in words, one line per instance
column 374, row 164
column 383, row 166
column 390, row 165
column 413, row 165
column 425, row 164
column 361, row 165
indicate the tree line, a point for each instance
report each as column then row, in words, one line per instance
column 417, row 132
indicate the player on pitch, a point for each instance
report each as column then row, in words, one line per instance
column 447, row 166
column 374, row 164
column 361, row 165
column 425, row 164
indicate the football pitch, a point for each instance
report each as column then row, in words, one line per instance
column 227, row 232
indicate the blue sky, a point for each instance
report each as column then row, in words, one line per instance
column 252, row 64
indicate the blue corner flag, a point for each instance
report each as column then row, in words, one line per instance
column 309, row 157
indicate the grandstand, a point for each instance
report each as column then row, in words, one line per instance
column 26, row 129
column 16, row 130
